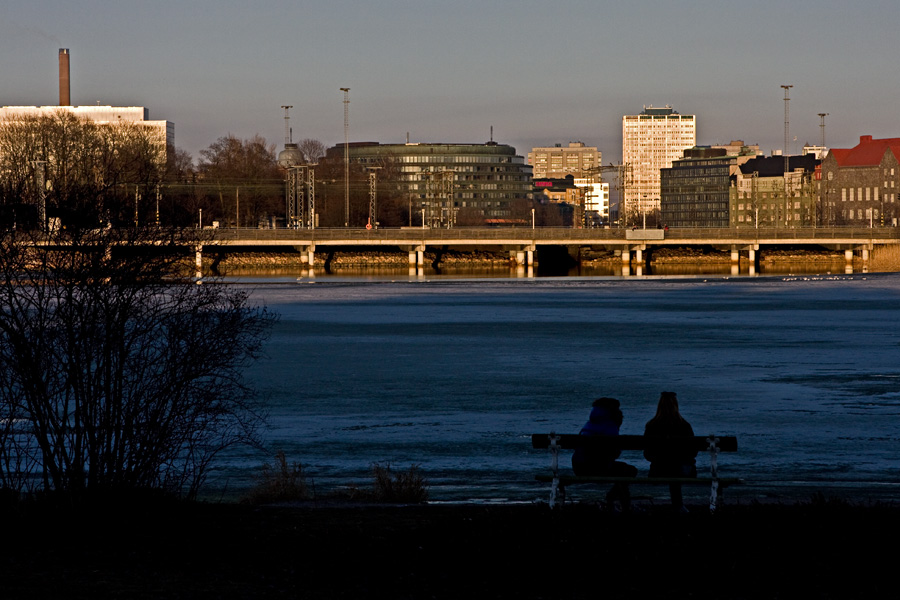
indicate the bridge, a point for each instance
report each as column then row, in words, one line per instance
column 634, row 245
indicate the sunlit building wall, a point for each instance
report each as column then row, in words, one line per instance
column 651, row 140
column 163, row 132
column 555, row 162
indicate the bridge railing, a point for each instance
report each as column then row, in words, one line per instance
column 804, row 233
column 417, row 235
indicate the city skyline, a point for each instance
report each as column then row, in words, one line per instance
column 537, row 74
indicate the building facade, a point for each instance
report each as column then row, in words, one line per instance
column 444, row 178
column 859, row 185
column 695, row 190
column 556, row 162
column 651, row 141
column 765, row 194
column 596, row 199
column 161, row 132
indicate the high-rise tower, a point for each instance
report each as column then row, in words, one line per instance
column 650, row 142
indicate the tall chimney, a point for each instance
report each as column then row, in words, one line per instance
column 64, row 77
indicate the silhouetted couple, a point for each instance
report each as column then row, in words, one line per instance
column 606, row 419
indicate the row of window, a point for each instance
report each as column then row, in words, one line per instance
column 751, row 218
column 848, row 195
column 764, row 206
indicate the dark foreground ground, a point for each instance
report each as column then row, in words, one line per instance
column 818, row 549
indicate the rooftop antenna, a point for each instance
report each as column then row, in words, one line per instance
column 346, row 91
column 492, row 133
column 822, row 126
column 787, row 127
column 287, row 124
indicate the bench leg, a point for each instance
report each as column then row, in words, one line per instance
column 713, row 495
column 557, row 493
column 714, row 471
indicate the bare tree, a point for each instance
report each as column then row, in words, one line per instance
column 312, row 150
column 116, row 371
column 243, row 176
column 92, row 172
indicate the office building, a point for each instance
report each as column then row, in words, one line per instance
column 694, row 191
column 651, row 141
column 444, row 178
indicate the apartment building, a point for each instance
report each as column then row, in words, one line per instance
column 557, row 161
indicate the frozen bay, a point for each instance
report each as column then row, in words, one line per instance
column 455, row 375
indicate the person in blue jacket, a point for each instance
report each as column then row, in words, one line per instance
column 606, row 419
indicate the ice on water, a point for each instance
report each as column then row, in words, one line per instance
column 456, row 375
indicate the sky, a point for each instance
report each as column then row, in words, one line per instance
column 538, row 72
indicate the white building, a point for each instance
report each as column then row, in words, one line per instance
column 163, row 131
column 596, row 196
column 650, row 142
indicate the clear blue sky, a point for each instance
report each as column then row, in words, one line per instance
column 540, row 72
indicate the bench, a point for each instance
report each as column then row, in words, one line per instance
column 712, row 444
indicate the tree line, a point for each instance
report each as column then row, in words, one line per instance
column 87, row 174
column 81, row 173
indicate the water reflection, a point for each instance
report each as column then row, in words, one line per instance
column 606, row 270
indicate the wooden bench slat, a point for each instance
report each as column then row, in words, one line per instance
column 633, row 442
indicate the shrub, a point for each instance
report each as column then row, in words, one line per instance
column 117, row 371
column 279, row 482
column 408, row 487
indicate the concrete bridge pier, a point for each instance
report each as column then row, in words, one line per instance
column 417, row 256
column 626, row 256
column 735, row 255
column 529, row 255
column 517, row 257
column 848, row 260
column 752, row 249
column 307, row 254
column 522, row 257
column 198, row 258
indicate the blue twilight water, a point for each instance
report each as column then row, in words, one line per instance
column 455, row 375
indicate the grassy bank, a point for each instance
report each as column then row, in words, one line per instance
column 816, row 549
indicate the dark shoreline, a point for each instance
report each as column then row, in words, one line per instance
column 820, row 548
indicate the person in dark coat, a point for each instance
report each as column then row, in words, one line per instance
column 606, row 418
column 668, row 422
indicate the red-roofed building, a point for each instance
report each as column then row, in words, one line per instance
column 859, row 185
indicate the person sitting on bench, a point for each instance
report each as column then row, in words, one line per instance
column 606, row 418
column 668, row 422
